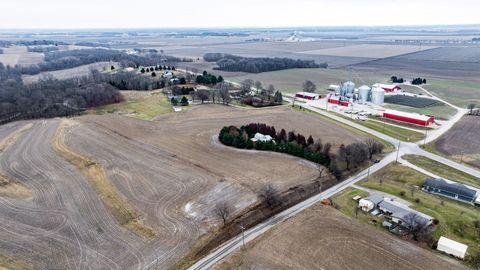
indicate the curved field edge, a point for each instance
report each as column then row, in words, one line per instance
column 122, row 211
column 10, row 187
column 8, row 263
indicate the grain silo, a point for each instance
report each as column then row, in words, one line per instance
column 348, row 88
column 364, row 93
column 378, row 96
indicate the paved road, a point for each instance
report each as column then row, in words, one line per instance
column 402, row 148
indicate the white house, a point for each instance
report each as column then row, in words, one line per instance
column 371, row 202
column 167, row 74
column 261, row 137
column 451, row 247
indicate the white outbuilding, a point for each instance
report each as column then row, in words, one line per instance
column 451, row 247
column 366, row 205
column 261, row 137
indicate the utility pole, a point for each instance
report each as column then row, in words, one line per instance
column 398, row 152
column 243, row 236
column 425, row 139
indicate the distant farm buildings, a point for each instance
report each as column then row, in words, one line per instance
column 452, row 190
column 387, row 87
column 412, row 118
column 307, row 95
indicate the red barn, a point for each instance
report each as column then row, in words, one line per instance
column 307, row 95
column 412, row 118
column 339, row 102
column 387, row 87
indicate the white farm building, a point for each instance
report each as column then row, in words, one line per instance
column 451, row 247
column 261, row 137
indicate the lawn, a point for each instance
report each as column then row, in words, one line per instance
column 460, row 93
column 290, row 80
column 456, row 218
column 344, row 203
column 443, row 170
column 441, row 111
column 139, row 104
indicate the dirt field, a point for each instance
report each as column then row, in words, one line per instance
column 18, row 55
column 171, row 170
column 322, row 238
column 462, row 139
column 70, row 73
column 369, row 50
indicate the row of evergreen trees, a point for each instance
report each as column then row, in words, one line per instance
column 289, row 143
column 156, row 68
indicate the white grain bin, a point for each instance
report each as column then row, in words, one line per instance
column 348, row 88
column 364, row 93
column 451, row 247
column 378, row 96
column 366, row 205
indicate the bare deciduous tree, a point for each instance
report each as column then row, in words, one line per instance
column 203, row 95
column 224, row 92
column 269, row 195
column 309, row 86
column 247, row 86
column 222, row 211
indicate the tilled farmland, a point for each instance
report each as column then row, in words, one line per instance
column 170, row 171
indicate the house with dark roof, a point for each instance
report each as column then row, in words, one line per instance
column 403, row 215
column 451, row 190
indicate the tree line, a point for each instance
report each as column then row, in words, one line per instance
column 228, row 62
column 418, row 81
column 396, row 79
column 58, row 60
column 208, row 79
column 50, row 97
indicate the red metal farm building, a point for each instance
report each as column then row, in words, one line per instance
column 413, row 118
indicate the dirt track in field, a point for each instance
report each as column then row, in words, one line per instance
column 322, row 238
column 172, row 170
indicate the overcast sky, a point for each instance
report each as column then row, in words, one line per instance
column 61, row 14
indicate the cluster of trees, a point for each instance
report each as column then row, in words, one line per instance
column 156, row 68
column 1, row 51
column 57, row 60
column 230, row 62
column 42, row 49
column 476, row 39
column 209, row 79
column 264, row 96
column 178, row 91
column 123, row 80
column 357, row 153
column 289, row 143
column 183, row 101
column 38, row 42
column 50, row 97
column 418, row 81
column 309, row 86
column 396, row 79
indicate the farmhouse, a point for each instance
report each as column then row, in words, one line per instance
column 307, row 95
column 451, row 247
column 261, row 137
column 396, row 212
column 387, row 87
column 412, row 118
column 452, row 190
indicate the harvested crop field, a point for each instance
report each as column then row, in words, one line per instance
column 369, row 50
column 170, row 171
column 415, row 102
column 18, row 55
column 322, row 238
column 462, row 140
column 70, row 72
column 453, row 54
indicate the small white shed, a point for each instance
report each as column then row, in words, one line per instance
column 451, row 247
column 262, row 138
column 366, row 205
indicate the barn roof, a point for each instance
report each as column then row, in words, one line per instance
column 409, row 115
column 455, row 188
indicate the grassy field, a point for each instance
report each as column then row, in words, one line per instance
column 344, row 203
column 392, row 131
column 441, row 111
column 460, row 93
column 456, row 219
column 369, row 50
column 290, row 81
column 139, row 104
column 443, row 170
column 8, row 263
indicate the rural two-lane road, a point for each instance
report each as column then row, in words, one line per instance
column 402, row 148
